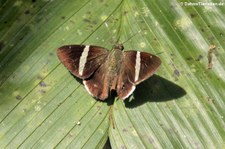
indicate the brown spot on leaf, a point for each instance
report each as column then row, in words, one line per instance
column 27, row 12
column 176, row 74
column 199, row 58
column 124, row 130
column 193, row 15
column 18, row 97
column 42, row 91
column 42, row 84
column 189, row 58
column 87, row 20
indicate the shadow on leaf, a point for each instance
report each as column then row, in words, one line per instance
column 155, row 89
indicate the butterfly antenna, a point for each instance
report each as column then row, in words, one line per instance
column 131, row 37
column 118, row 39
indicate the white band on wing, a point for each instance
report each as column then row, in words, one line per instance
column 83, row 60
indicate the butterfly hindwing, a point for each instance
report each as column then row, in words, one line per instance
column 125, row 87
column 98, row 84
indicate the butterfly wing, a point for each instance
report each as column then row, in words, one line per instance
column 149, row 63
column 136, row 67
column 98, row 84
column 82, row 60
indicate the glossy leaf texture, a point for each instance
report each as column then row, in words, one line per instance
column 43, row 106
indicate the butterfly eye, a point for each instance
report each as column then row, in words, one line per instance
column 123, row 87
column 118, row 46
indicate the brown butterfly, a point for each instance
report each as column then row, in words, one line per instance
column 103, row 71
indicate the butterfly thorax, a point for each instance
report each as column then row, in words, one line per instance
column 114, row 64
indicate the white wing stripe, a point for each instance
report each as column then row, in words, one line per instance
column 137, row 66
column 83, row 60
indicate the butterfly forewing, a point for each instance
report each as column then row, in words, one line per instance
column 82, row 60
column 148, row 65
column 136, row 67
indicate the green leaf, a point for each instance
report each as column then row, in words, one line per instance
column 43, row 106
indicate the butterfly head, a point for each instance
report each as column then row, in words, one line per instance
column 118, row 46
